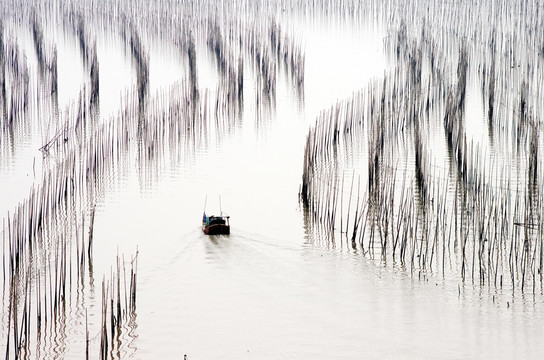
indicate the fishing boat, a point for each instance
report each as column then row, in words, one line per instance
column 216, row 225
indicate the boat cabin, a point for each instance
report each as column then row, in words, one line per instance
column 216, row 225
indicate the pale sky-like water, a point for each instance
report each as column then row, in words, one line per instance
column 272, row 289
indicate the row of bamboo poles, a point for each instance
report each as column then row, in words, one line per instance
column 471, row 211
column 48, row 240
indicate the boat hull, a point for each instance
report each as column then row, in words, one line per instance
column 216, row 229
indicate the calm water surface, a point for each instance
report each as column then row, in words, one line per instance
column 272, row 289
